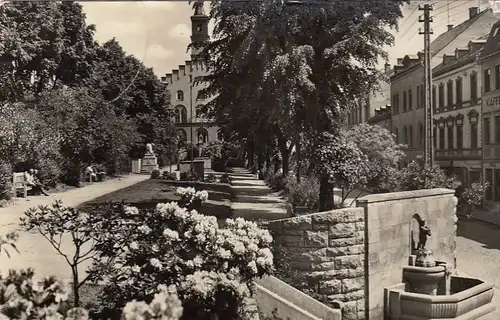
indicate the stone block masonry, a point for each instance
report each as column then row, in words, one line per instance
column 328, row 248
column 389, row 225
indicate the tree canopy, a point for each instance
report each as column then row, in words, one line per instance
column 288, row 72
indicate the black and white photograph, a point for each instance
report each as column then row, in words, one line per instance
column 250, row 160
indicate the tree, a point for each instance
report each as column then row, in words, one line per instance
column 420, row 175
column 302, row 66
column 381, row 150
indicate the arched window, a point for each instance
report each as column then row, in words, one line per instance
column 220, row 135
column 199, row 112
column 202, row 135
column 180, row 114
column 180, row 95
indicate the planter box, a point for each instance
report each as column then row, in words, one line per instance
column 207, row 162
column 470, row 299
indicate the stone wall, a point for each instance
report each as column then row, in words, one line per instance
column 327, row 247
column 388, row 225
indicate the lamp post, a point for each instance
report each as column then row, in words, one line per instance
column 191, row 118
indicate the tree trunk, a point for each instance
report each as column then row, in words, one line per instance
column 260, row 160
column 75, row 286
column 285, row 154
column 325, row 194
column 298, row 156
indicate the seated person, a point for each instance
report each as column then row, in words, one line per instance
column 90, row 173
column 34, row 183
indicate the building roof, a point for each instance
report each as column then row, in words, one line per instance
column 462, row 57
column 493, row 41
column 444, row 39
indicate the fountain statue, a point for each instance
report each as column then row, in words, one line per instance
column 149, row 162
column 430, row 291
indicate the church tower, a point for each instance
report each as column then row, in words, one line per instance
column 199, row 28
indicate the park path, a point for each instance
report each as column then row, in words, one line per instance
column 253, row 199
column 35, row 251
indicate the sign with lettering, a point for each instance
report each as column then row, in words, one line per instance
column 493, row 101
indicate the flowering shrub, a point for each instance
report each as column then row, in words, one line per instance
column 56, row 221
column 189, row 176
column 5, row 181
column 212, row 267
column 191, row 198
column 305, row 193
column 21, row 297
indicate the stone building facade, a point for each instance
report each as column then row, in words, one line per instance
column 407, row 83
column 186, row 97
column 456, row 105
column 490, row 115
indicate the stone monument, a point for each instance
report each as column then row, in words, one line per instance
column 149, row 162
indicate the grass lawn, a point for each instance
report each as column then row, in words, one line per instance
column 148, row 193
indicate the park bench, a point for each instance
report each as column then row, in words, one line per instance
column 19, row 183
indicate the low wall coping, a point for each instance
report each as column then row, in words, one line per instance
column 393, row 196
column 315, row 213
column 188, row 162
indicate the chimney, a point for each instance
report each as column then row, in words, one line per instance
column 473, row 11
column 169, row 78
column 182, row 70
column 387, row 67
column 163, row 79
column 176, row 74
column 189, row 69
column 450, row 26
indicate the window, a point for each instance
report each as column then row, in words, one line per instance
column 180, row 114
column 489, row 179
column 497, row 129
column 450, row 138
column 360, row 115
column 497, row 77
column 180, row 95
column 459, row 92
column 410, row 100
column 405, row 134
column 367, row 112
column 449, row 91
column 395, row 103
column 473, row 86
column 460, row 137
column 473, row 135
column 202, row 135
column 404, row 102
column 441, row 138
column 421, row 134
column 201, row 95
column 422, row 96
column 441, row 96
column 487, row 128
column 487, row 84
column 418, row 97
column 496, row 188
column 410, row 143
column 396, row 133
column 434, row 97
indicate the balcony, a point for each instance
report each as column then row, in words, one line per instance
column 459, row 154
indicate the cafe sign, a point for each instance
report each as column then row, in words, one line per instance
column 493, row 101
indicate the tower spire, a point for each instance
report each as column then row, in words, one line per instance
column 199, row 28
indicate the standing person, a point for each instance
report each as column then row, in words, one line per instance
column 34, row 183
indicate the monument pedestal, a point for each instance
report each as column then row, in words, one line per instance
column 149, row 163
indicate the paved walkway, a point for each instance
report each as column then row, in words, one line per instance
column 478, row 255
column 254, row 200
column 35, row 251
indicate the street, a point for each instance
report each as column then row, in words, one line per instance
column 478, row 255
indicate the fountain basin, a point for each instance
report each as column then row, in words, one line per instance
column 469, row 299
column 423, row 279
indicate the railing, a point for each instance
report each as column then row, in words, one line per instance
column 459, row 154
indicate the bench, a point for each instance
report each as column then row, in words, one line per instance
column 19, row 183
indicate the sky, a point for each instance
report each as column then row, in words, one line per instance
column 157, row 33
